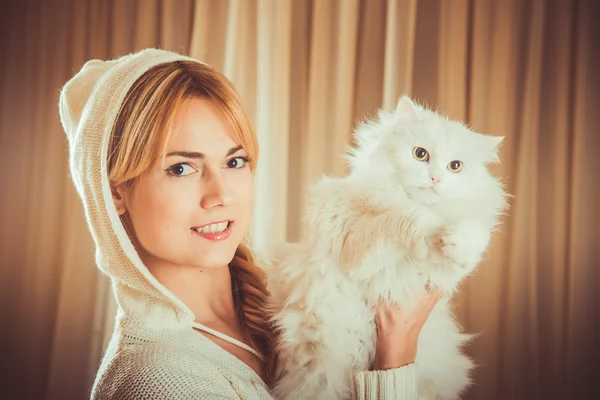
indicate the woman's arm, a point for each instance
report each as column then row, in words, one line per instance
column 393, row 375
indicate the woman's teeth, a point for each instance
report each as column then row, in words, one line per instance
column 213, row 228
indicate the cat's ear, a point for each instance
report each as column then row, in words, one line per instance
column 406, row 110
column 490, row 146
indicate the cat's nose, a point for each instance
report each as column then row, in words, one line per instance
column 435, row 180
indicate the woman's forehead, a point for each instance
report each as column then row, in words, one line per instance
column 201, row 125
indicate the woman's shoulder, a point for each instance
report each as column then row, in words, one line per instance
column 160, row 371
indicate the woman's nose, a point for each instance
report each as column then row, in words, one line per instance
column 216, row 192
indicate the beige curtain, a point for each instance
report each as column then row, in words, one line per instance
column 308, row 71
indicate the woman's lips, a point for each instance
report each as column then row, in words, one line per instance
column 214, row 231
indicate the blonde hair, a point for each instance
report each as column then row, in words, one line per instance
column 140, row 137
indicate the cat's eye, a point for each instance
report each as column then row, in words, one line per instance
column 455, row 165
column 420, row 154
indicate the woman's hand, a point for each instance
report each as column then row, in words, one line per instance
column 398, row 330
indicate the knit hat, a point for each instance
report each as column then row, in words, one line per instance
column 89, row 104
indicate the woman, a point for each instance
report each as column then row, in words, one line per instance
column 162, row 154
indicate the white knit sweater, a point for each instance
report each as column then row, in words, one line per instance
column 154, row 352
column 196, row 368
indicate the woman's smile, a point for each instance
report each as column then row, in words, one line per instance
column 214, row 231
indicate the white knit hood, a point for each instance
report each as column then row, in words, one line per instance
column 155, row 350
column 89, row 104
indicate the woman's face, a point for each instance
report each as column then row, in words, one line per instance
column 194, row 210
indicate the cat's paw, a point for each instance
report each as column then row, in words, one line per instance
column 420, row 248
column 426, row 240
column 463, row 242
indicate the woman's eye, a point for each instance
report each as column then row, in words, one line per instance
column 181, row 169
column 237, row 162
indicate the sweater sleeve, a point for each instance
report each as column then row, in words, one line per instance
column 397, row 384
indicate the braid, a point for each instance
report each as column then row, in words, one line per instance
column 250, row 294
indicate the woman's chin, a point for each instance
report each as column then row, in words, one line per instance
column 216, row 260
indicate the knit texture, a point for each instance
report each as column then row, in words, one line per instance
column 399, row 383
column 154, row 353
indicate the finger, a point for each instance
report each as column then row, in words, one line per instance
column 428, row 301
column 385, row 308
column 428, row 286
column 434, row 291
column 440, row 294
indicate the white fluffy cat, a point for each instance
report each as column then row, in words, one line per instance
column 419, row 204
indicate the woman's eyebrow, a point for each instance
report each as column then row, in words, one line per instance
column 234, row 150
column 195, row 154
column 186, row 154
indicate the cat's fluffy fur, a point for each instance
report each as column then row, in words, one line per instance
column 381, row 233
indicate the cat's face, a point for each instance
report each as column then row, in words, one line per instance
column 435, row 159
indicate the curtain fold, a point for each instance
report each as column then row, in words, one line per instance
column 308, row 73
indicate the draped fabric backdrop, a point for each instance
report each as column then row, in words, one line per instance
column 308, row 71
